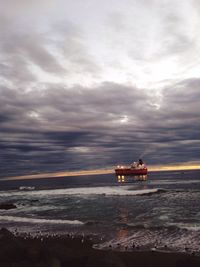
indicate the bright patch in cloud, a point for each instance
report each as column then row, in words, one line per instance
column 124, row 119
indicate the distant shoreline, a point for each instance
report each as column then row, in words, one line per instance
column 94, row 172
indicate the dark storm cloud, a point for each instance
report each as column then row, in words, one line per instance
column 20, row 50
column 56, row 48
column 74, row 128
column 21, row 45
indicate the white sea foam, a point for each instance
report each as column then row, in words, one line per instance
column 108, row 191
column 27, row 188
column 189, row 227
column 34, row 220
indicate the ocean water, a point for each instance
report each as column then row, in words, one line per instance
column 160, row 213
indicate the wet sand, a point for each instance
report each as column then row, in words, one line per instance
column 69, row 251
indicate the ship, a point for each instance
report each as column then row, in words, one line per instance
column 136, row 168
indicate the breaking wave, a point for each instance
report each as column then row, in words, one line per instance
column 107, row 191
column 42, row 221
column 27, row 188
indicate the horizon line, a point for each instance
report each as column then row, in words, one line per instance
column 59, row 174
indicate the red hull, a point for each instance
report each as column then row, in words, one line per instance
column 129, row 171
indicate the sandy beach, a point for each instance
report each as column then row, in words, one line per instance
column 62, row 251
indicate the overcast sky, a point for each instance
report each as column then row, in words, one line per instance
column 89, row 84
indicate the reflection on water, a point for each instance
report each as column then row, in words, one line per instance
column 121, row 234
column 123, row 214
column 129, row 178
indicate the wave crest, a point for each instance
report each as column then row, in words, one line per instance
column 104, row 190
column 36, row 220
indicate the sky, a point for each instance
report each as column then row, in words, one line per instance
column 91, row 84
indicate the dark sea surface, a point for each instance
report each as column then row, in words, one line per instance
column 162, row 212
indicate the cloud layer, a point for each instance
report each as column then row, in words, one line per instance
column 91, row 85
column 80, row 128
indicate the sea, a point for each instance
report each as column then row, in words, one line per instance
column 157, row 212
